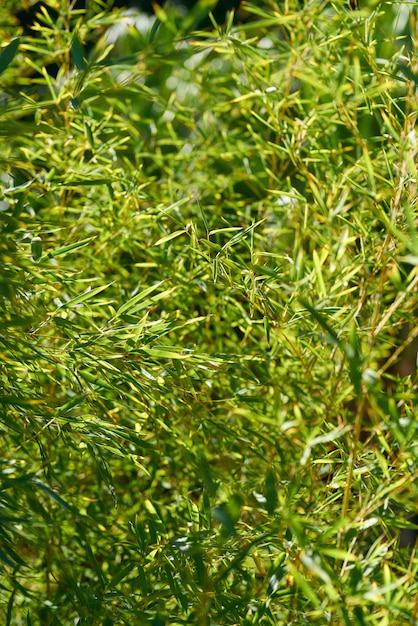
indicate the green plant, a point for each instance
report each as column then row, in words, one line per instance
column 209, row 256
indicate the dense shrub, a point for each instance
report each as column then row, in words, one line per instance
column 208, row 295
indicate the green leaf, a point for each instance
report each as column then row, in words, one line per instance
column 199, row 11
column 68, row 248
column 11, row 558
column 78, row 54
column 54, row 496
column 84, row 297
column 131, row 305
column 167, row 352
column 123, row 573
column 271, row 491
column 8, row 54
column 169, row 237
column 406, row 71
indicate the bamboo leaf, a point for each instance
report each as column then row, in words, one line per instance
column 123, row 573
column 84, row 297
column 57, row 498
column 8, row 54
column 65, row 249
column 169, row 237
column 131, row 304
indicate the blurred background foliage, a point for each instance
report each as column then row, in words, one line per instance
column 208, row 294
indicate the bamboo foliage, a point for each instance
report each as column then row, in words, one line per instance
column 208, row 316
